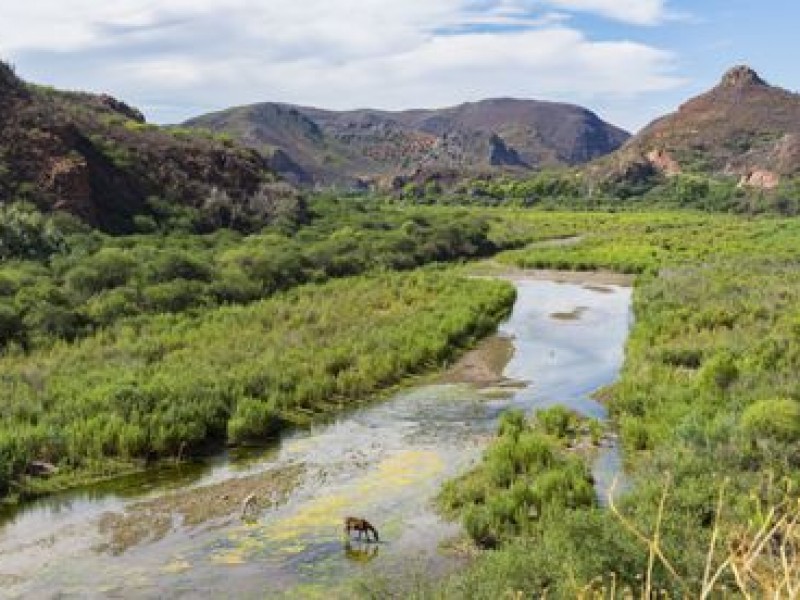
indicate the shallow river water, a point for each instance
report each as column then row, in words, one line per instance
column 384, row 462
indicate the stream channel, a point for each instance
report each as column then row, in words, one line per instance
column 178, row 532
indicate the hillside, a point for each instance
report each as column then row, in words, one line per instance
column 742, row 128
column 310, row 145
column 96, row 158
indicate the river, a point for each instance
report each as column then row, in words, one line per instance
column 385, row 462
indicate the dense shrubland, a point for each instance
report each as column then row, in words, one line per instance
column 61, row 281
column 649, row 241
column 115, row 350
column 167, row 385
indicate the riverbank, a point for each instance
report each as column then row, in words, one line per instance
column 169, row 386
column 385, row 462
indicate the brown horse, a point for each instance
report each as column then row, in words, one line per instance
column 361, row 526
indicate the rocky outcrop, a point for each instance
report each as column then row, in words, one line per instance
column 68, row 180
column 95, row 157
column 742, row 128
column 760, row 179
column 500, row 155
column 664, row 162
column 741, row 76
column 120, row 107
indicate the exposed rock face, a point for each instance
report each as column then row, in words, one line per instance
column 741, row 76
column 742, row 128
column 68, row 179
column 369, row 145
column 500, row 155
column 94, row 156
column 761, row 179
column 664, row 162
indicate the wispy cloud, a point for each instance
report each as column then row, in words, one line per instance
column 337, row 53
column 637, row 12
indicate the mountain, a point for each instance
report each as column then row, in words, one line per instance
column 97, row 158
column 311, row 145
column 743, row 128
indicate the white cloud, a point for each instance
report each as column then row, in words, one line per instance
column 201, row 54
column 638, row 12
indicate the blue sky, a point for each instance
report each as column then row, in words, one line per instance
column 629, row 60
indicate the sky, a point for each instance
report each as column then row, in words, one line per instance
column 628, row 60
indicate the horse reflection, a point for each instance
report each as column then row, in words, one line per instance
column 360, row 552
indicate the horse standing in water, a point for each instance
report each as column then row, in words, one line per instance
column 361, row 526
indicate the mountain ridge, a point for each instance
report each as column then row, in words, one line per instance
column 743, row 127
column 367, row 145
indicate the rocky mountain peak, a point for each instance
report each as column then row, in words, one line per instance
column 8, row 79
column 741, row 76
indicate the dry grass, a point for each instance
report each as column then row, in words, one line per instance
column 759, row 560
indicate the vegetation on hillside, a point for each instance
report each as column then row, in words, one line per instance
column 96, row 158
column 584, row 190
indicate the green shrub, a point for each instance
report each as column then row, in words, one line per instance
column 777, row 419
column 557, row 420
column 174, row 296
column 253, row 420
column 720, row 371
column 169, row 266
column 512, row 423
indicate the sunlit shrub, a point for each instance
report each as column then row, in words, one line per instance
column 777, row 419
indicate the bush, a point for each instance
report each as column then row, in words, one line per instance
column 110, row 306
column 719, row 372
column 107, row 269
column 253, row 420
column 777, row 419
column 557, row 420
column 178, row 265
column 26, row 233
column 174, row 296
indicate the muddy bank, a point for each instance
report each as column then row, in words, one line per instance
column 598, row 280
column 484, row 365
column 152, row 520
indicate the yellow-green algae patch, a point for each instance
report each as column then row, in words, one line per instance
column 321, row 518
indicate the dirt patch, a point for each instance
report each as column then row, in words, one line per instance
column 573, row 315
column 484, row 365
column 152, row 520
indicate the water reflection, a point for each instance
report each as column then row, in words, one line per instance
column 361, row 551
